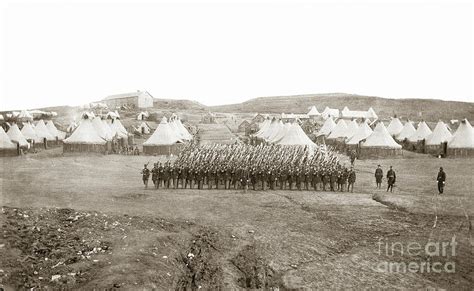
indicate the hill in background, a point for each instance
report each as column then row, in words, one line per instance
column 430, row 109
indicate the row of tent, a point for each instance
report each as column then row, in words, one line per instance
column 344, row 113
column 277, row 132
column 352, row 134
column 95, row 134
column 29, row 134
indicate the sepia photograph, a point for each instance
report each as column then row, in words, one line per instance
column 236, row 145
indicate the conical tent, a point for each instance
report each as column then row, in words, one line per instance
column 102, row 129
column 440, row 134
column 28, row 131
column 363, row 132
column 278, row 127
column 380, row 138
column 407, row 131
column 118, row 129
column 463, row 138
column 15, row 135
column 163, row 135
column 184, row 131
column 5, row 142
column 421, row 133
column 270, row 129
column 281, row 133
column 371, row 113
column 263, row 127
column 351, row 129
column 313, row 111
column 327, row 127
column 42, row 132
column 339, row 130
column 295, row 136
column 85, row 133
column 395, row 126
column 52, row 129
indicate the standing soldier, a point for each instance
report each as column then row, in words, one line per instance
column 291, row 177
column 186, row 172
column 166, row 176
column 333, row 179
column 145, row 175
column 253, row 178
column 378, row 176
column 339, row 179
column 353, row 157
column 392, row 177
column 191, row 178
column 244, row 179
column 283, row 175
column 199, row 174
column 307, row 178
column 264, row 178
column 227, row 178
column 441, row 180
column 181, row 176
column 351, row 180
column 174, row 176
column 326, row 178
column 211, row 177
column 154, row 175
column 159, row 176
column 345, row 176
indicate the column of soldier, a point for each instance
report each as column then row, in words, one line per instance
column 261, row 167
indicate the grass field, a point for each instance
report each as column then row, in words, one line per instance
column 259, row 239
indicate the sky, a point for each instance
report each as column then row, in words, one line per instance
column 72, row 53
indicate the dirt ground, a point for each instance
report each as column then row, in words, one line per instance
column 85, row 222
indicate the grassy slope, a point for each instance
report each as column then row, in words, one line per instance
column 431, row 109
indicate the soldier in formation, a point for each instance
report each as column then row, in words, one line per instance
column 260, row 167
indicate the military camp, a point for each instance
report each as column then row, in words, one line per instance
column 236, row 145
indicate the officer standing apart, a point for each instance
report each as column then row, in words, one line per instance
column 378, row 176
column 441, row 180
column 146, row 175
column 392, row 177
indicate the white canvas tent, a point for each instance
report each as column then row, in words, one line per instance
column 102, row 129
column 144, row 128
column 395, row 126
column 462, row 142
column 380, row 143
column 363, row 132
column 313, row 112
column 407, row 131
column 85, row 138
column 42, row 132
column 164, row 141
column 339, row 130
column 117, row 128
column 294, row 135
column 327, row 127
column 281, row 133
column 7, row 147
column 421, row 133
column 263, row 127
column 52, row 129
column 440, row 134
column 351, row 129
column 15, row 135
column 28, row 132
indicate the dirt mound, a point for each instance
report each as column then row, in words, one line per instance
column 64, row 248
column 201, row 268
column 256, row 274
